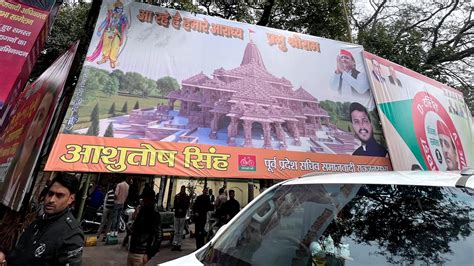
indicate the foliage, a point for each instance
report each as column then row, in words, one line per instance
column 109, row 132
column 336, row 110
column 118, row 74
column 320, row 18
column 166, row 85
column 111, row 86
column 434, row 38
column 93, row 130
column 136, row 84
column 96, row 79
column 67, row 28
column 385, row 216
column 137, row 105
column 112, row 109
column 125, row 107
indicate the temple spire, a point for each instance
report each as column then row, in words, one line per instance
column 252, row 55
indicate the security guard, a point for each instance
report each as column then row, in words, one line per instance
column 55, row 238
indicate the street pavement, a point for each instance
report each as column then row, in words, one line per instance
column 105, row 255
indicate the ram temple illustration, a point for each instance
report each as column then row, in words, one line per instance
column 245, row 106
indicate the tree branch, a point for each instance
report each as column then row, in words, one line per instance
column 441, row 22
column 419, row 22
column 378, row 9
column 267, row 10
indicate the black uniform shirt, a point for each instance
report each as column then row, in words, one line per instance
column 55, row 240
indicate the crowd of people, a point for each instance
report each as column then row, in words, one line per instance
column 56, row 236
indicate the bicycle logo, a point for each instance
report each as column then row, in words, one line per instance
column 247, row 163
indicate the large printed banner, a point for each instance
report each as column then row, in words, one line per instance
column 23, row 31
column 169, row 92
column 21, row 142
column 428, row 123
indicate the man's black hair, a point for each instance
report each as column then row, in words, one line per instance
column 68, row 181
column 355, row 106
column 221, row 190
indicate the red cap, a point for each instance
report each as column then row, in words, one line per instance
column 442, row 128
column 345, row 52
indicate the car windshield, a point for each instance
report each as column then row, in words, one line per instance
column 344, row 224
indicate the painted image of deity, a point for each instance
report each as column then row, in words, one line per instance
column 113, row 35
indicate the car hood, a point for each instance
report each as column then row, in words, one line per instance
column 189, row 259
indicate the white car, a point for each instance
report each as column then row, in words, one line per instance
column 383, row 218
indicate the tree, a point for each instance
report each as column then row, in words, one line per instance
column 112, row 109
column 94, row 129
column 402, row 231
column 96, row 80
column 69, row 26
column 111, row 86
column 136, row 84
column 331, row 108
column 166, row 85
column 125, row 107
column 118, row 74
column 109, row 132
column 434, row 38
column 137, row 105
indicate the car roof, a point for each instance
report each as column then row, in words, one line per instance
column 416, row 178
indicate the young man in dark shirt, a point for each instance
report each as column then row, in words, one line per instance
column 362, row 126
column 146, row 232
column 56, row 237
column 231, row 207
column 181, row 205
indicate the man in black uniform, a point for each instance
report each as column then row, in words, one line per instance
column 200, row 208
column 55, row 238
column 231, row 207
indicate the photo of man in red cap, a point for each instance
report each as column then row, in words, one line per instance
column 447, row 146
column 347, row 79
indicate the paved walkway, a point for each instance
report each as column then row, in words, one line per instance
column 103, row 255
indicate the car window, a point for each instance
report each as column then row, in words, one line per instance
column 342, row 224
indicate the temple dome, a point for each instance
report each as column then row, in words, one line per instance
column 252, row 56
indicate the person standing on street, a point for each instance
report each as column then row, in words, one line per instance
column 231, row 207
column 146, row 234
column 212, row 198
column 121, row 193
column 107, row 213
column 181, row 205
column 221, row 199
column 55, row 238
column 200, row 208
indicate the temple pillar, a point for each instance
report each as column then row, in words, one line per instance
column 171, row 104
column 205, row 114
column 280, row 136
column 183, row 110
column 232, row 131
column 296, row 133
column 267, row 139
column 214, row 124
column 248, row 133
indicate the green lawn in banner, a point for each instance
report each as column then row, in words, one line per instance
column 105, row 102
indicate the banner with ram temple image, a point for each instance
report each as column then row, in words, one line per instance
column 170, row 92
column 428, row 123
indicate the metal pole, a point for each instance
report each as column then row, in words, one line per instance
column 170, row 193
column 84, row 197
